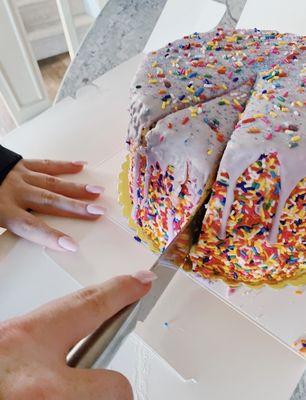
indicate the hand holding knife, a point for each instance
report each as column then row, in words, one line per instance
column 104, row 342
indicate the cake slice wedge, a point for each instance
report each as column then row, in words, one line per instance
column 254, row 230
column 172, row 172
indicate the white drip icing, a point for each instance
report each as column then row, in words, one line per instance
column 245, row 148
column 290, row 177
column 290, row 173
column 185, row 148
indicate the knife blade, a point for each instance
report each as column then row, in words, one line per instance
column 174, row 257
column 98, row 348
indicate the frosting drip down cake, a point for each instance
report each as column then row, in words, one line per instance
column 224, row 111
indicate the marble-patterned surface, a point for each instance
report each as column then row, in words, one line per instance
column 120, row 32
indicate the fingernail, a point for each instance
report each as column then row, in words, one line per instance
column 94, row 189
column 94, row 209
column 145, row 276
column 68, row 243
column 80, row 162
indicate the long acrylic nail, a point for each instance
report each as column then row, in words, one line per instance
column 145, row 277
column 94, row 189
column 95, row 209
column 67, row 243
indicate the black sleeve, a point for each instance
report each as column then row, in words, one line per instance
column 8, row 160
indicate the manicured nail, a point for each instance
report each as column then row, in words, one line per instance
column 94, row 209
column 68, row 243
column 145, row 276
column 94, row 189
column 80, row 162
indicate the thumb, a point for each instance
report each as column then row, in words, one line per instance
column 75, row 316
column 99, row 384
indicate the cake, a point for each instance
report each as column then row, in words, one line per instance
column 230, row 103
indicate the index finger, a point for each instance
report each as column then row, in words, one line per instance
column 53, row 167
column 71, row 318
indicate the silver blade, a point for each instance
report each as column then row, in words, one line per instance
column 174, row 257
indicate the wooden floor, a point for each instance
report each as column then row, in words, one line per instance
column 53, row 70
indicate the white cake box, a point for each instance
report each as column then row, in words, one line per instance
column 93, row 127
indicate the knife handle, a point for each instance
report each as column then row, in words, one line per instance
column 102, row 344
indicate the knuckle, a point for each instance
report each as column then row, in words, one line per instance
column 46, row 162
column 26, row 225
column 47, row 198
column 94, row 297
column 13, row 178
column 8, row 330
column 51, row 181
column 25, row 327
column 26, row 176
column 78, row 207
column 17, row 330
column 123, row 282
column 20, row 166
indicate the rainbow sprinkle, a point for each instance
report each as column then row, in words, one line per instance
column 245, row 254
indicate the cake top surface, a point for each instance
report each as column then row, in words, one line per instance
column 200, row 67
column 195, row 136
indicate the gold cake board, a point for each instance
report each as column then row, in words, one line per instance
column 127, row 206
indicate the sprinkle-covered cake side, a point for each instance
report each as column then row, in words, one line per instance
column 255, row 226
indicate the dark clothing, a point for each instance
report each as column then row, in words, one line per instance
column 8, row 160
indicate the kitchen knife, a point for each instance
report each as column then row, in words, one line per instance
column 105, row 341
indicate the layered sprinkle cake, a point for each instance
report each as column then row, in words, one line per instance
column 231, row 104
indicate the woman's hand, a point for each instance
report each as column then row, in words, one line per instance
column 33, row 348
column 33, row 185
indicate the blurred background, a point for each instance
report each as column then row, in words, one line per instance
column 44, row 31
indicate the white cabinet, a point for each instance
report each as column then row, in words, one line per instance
column 44, row 28
column 21, row 84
